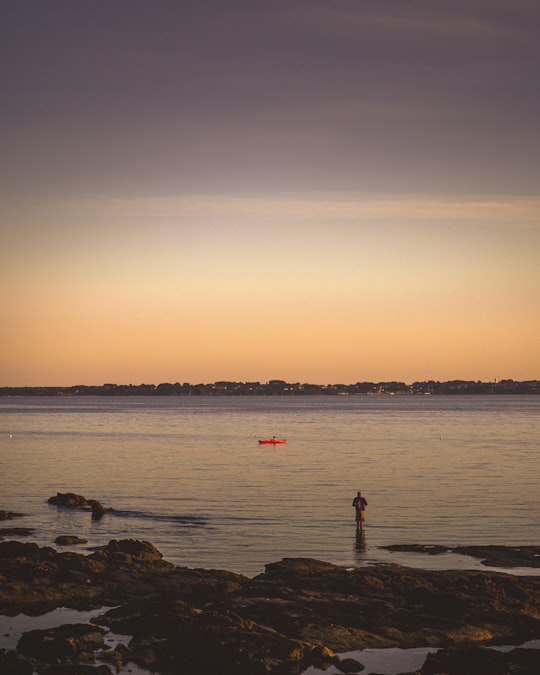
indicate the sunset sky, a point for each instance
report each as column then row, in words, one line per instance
column 311, row 190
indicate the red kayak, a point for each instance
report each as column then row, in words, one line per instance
column 273, row 441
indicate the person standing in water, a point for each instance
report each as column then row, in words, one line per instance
column 360, row 504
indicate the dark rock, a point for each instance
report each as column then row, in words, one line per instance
column 523, row 661
column 68, row 499
column 18, row 549
column 469, row 661
column 504, row 556
column 475, row 660
column 12, row 664
column 174, row 636
column 98, row 510
column 492, row 556
column 67, row 669
column 72, row 500
column 127, row 550
column 297, row 567
column 67, row 643
column 16, row 531
column 349, row 666
column 69, row 540
column 119, row 656
column 9, row 515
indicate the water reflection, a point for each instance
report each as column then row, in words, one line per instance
column 360, row 547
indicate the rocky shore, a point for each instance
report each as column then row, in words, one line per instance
column 299, row 612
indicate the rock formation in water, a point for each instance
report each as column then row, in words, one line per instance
column 67, row 499
column 69, row 540
column 9, row 515
column 72, row 500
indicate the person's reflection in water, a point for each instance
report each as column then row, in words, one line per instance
column 360, row 547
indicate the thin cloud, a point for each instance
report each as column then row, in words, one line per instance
column 522, row 212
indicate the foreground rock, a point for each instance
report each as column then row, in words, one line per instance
column 298, row 613
column 481, row 661
column 70, row 643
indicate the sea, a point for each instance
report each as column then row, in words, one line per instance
column 189, row 475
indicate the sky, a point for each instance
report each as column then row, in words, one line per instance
column 323, row 191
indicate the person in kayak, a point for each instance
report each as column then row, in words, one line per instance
column 359, row 504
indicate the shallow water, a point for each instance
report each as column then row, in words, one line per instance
column 13, row 627
column 188, row 474
column 394, row 661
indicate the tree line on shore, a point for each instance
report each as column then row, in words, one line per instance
column 282, row 388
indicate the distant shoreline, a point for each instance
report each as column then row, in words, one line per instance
column 282, row 388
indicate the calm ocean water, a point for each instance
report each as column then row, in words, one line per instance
column 188, row 474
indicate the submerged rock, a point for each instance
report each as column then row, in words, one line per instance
column 69, row 540
column 16, row 531
column 10, row 515
column 430, row 549
column 491, row 556
column 503, row 556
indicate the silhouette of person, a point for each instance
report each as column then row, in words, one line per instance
column 359, row 504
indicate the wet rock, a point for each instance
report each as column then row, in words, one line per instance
column 12, row 664
column 475, row 660
column 68, row 499
column 118, row 657
column 69, row 540
column 492, row 556
column 10, row 515
column 78, row 670
column 349, row 666
column 67, row 643
column 98, row 510
column 503, row 556
column 16, row 550
column 430, row 549
column 127, row 551
column 16, row 531
column 395, row 606
column 293, row 568
column 523, row 661
column 177, row 637
column 44, row 576
column 72, row 500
